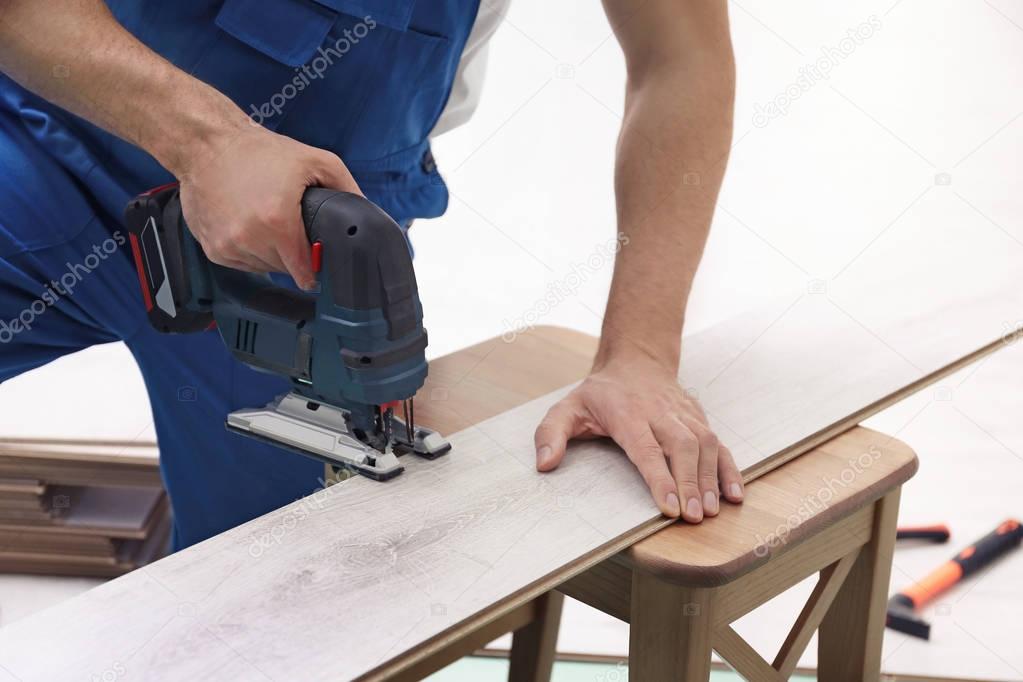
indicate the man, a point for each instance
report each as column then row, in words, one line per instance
column 247, row 103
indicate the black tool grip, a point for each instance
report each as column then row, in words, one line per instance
column 366, row 261
column 993, row 545
column 938, row 533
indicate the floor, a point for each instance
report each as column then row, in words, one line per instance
column 481, row 669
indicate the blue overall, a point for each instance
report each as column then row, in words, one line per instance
column 366, row 79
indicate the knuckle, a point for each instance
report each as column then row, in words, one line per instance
column 219, row 249
column 708, row 440
column 687, row 479
column 708, row 480
column 649, row 456
column 704, row 437
column 687, row 490
column 272, row 212
column 330, row 160
column 686, row 440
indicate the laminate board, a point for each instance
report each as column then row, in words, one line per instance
column 21, row 486
column 338, row 583
column 22, row 501
column 128, row 555
column 116, row 453
column 75, row 464
column 125, row 513
column 59, row 543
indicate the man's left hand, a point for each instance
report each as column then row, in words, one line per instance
column 638, row 402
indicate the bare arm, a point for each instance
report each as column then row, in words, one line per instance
column 671, row 158
column 76, row 55
column 672, row 152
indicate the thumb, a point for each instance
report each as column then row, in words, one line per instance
column 562, row 423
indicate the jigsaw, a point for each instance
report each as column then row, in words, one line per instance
column 353, row 351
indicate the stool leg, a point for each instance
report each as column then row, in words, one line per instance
column 670, row 634
column 849, row 639
column 533, row 646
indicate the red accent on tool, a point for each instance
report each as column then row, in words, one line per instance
column 317, row 253
column 390, row 406
column 136, row 251
column 1007, row 526
column 212, row 326
column 159, row 189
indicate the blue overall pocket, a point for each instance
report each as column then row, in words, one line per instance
column 365, row 79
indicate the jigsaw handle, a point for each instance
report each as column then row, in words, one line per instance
column 361, row 258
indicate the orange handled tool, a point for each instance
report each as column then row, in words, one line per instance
column 901, row 607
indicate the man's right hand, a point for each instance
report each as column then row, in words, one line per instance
column 242, row 200
column 241, row 185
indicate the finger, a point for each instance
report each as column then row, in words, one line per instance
column 253, row 262
column 294, row 252
column 331, row 172
column 707, row 468
column 728, row 474
column 237, row 260
column 561, row 423
column 632, row 432
column 683, row 450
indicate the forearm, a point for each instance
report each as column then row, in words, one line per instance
column 78, row 57
column 672, row 152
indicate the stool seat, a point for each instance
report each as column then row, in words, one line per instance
column 780, row 509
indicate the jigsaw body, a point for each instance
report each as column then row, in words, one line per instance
column 354, row 352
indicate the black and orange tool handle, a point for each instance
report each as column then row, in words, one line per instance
column 1005, row 537
column 936, row 533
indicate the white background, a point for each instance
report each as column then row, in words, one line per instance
column 903, row 163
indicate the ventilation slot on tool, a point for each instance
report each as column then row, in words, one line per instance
column 245, row 336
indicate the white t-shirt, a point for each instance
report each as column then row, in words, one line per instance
column 468, row 83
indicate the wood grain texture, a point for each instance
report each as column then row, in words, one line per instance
column 785, row 507
column 670, row 637
column 810, row 616
column 744, row 658
column 378, row 572
column 534, row 646
column 849, row 643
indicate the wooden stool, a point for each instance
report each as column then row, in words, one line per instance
column 831, row 510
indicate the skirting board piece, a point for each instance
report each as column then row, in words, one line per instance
column 336, row 584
